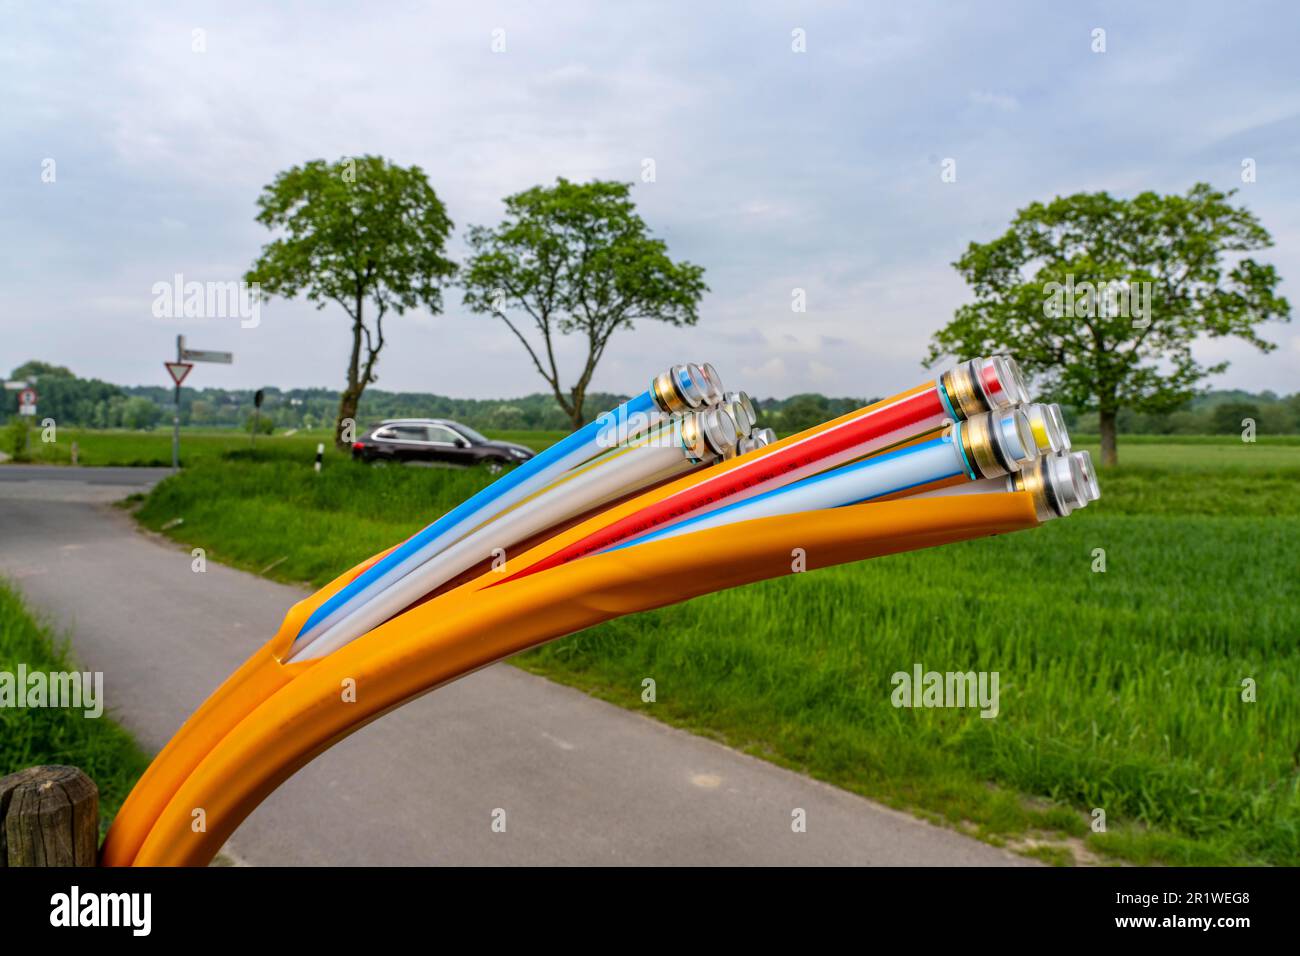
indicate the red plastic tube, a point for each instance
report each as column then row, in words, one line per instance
column 876, row 429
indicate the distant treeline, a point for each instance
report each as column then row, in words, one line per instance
column 91, row 403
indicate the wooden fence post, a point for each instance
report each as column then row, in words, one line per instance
column 49, row 816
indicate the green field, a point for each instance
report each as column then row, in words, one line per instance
column 1120, row 691
column 48, row 735
column 154, row 448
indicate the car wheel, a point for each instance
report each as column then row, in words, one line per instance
column 378, row 463
column 495, row 466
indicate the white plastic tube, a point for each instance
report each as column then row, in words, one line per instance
column 885, row 474
column 659, row 456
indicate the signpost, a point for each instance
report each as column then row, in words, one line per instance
column 185, row 359
column 27, row 406
column 178, row 371
column 257, row 415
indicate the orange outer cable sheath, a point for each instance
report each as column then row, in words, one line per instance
column 442, row 640
column 263, row 673
column 256, row 679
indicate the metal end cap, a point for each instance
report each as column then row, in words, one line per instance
column 742, row 410
column 999, row 380
column 713, row 390
column 1016, row 375
column 1062, row 480
column 1014, row 436
column 1058, row 416
column 718, row 430
column 1087, row 474
column 692, row 383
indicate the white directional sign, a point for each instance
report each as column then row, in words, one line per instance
column 201, row 355
column 178, row 371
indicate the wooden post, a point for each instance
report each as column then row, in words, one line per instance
column 49, row 816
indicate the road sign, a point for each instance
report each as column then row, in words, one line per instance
column 178, row 371
column 201, row 355
column 27, row 401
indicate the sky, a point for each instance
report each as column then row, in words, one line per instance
column 776, row 169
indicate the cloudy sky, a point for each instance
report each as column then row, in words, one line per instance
column 774, row 169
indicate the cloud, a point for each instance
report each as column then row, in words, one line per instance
column 997, row 101
column 775, row 170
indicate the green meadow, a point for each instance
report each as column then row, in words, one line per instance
column 1149, row 712
column 53, row 735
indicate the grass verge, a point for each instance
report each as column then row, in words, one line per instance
column 47, row 735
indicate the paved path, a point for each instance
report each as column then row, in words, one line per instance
column 581, row 781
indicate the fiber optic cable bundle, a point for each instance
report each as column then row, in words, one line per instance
column 673, row 494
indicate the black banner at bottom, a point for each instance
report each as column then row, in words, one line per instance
column 330, row 905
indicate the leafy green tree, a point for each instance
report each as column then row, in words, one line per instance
column 804, row 411
column 39, row 370
column 576, row 258
column 363, row 233
column 263, row 424
column 1226, row 419
column 1101, row 298
column 140, row 413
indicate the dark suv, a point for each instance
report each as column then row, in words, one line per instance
column 435, row 440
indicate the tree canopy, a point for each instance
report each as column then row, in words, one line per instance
column 362, row 233
column 576, row 258
column 1102, row 298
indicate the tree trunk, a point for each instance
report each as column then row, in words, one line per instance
column 348, row 402
column 352, row 394
column 578, row 400
column 1106, row 420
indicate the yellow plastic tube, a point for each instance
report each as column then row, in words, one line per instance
column 255, row 680
column 466, row 629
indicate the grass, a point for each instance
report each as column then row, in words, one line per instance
column 47, row 735
column 122, row 447
column 1120, row 691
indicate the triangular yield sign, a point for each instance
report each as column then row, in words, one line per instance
column 178, row 371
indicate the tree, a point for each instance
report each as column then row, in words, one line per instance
column 576, row 258
column 1226, row 419
column 804, row 411
column 363, row 233
column 37, row 370
column 140, row 413
column 262, row 424
column 1101, row 298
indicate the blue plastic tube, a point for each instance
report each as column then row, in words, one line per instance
column 510, row 488
column 938, row 459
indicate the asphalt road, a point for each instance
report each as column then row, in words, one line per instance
column 581, row 781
